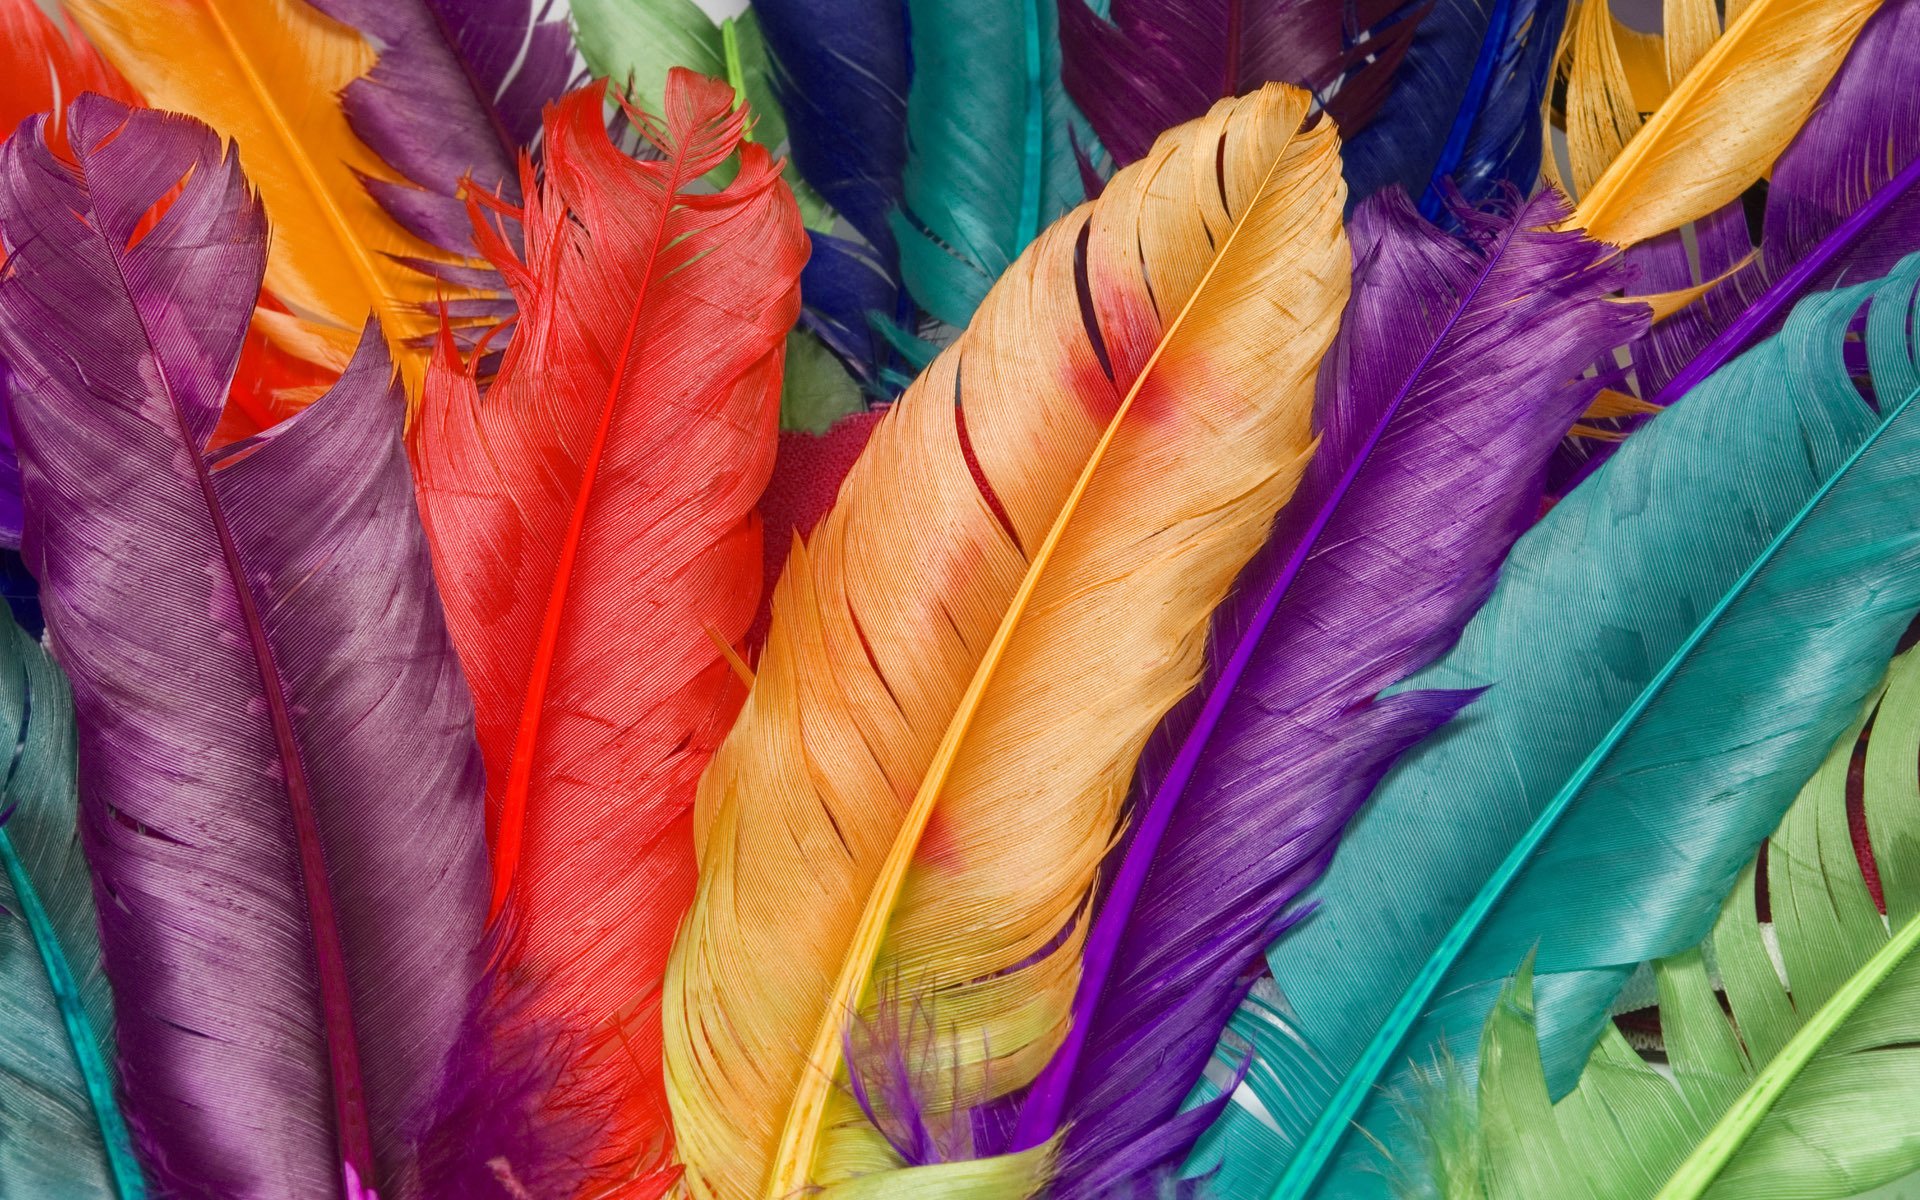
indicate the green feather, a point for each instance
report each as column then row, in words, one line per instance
column 1807, row 1088
column 62, row 1136
column 1669, row 653
column 990, row 162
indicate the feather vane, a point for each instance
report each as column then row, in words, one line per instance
column 279, row 785
column 1128, row 465
column 593, row 527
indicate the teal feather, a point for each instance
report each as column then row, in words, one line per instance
column 990, row 152
column 1669, row 653
column 62, row 1136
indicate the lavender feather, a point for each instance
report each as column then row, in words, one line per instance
column 452, row 97
column 1152, row 64
column 280, row 791
column 1454, row 376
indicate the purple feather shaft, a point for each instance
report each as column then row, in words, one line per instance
column 280, row 790
column 452, row 97
column 1451, row 382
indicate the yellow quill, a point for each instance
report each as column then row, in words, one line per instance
column 265, row 73
column 961, row 674
column 1723, row 125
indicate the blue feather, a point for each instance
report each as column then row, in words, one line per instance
column 1670, row 652
column 62, row 1136
column 1465, row 104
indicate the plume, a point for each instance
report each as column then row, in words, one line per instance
column 1452, row 381
column 264, row 73
column 1820, row 1057
column 847, row 132
column 636, row 44
column 44, row 65
column 463, row 62
column 62, row 1135
column 280, row 791
column 1724, row 124
column 593, row 527
column 1465, row 104
column 1128, row 462
column 990, row 155
column 1136, row 68
column 1712, row 631
column 1841, row 205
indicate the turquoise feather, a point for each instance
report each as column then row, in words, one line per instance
column 990, row 158
column 61, row 1133
column 1669, row 654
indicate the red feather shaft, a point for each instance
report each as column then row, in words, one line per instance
column 592, row 518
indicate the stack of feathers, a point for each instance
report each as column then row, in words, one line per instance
column 913, row 600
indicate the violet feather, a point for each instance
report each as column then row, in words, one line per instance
column 453, row 96
column 280, row 790
column 1149, row 65
column 1455, row 374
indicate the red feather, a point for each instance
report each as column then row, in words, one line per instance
column 44, row 66
column 592, row 519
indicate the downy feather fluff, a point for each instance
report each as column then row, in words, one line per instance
column 1668, row 655
column 62, row 1135
column 1465, row 104
column 990, row 153
column 593, row 527
column 1136, row 68
column 264, row 73
column 1824, row 1056
column 280, row 791
column 875, row 819
column 1452, row 381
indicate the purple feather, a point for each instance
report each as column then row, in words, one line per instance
column 1841, row 206
column 452, row 97
column 1156, row 63
column 1452, row 379
column 280, row 790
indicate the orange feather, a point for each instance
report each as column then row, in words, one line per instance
column 592, row 519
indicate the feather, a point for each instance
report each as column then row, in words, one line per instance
column 1841, row 205
column 1724, row 124
column 1465, row 104
column 264, row 73
column 990, row 154
column 280, row 792
column 1138, row 68
column 64, row 1135
column 1711, row 631
column 847, row 131
column 592, row 525
column 452, row 103
column 1820, row 1056
column 1805, row 1056
column 1451, row 383
column 44, row 65
column 1127, row 466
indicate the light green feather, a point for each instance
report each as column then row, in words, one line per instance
column 1809, row 1087
column 62, row 1136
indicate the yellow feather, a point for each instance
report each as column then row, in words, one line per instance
column 1725, row 123
column 265, row 74
column 1601, row 112
column 1691, row 28
column 1644, row 58
column 931, row 765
